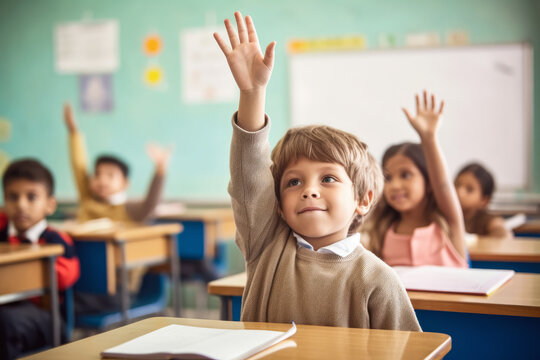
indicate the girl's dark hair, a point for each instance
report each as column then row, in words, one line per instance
column 384, row 215
column 483, row 176
column 31, row 170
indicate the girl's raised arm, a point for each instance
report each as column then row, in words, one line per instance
column 425, row 123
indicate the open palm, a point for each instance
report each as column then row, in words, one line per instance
column 427, row 116
column 249, row 68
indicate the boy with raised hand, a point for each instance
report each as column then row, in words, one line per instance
column 28, row 198
column 297, row 212
column 104, row 193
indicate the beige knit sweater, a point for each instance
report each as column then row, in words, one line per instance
column 291, row 283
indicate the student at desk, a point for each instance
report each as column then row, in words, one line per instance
column 297, row 211
column 104, row 193
column 28, row 198
column 475, row 186
column 419, row 220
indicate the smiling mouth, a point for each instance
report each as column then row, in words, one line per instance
column 310, row 209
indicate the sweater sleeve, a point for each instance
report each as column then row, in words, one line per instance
column 77, row 152
column 389, row 305
column 141, row 211
column 252, row 189
column 67, row 266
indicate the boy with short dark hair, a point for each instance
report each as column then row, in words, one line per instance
column 28, row 198
column 104, row 193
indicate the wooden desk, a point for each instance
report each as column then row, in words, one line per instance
column 203, row 228
column 27, row 271
column 518, row 254
column 312, row 342
column 514, row 308
column 531, row 227
column 117, row 249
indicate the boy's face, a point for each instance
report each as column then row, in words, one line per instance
column 404, row 186
column 108, row 180
column 318, row 201
column 26, row 203
column 469, row 192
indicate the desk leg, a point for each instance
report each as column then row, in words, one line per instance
column 55, row 306
column 175, row 275
column 225, row 310
column 124, row 288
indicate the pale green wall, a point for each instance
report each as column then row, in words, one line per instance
column 32, row 93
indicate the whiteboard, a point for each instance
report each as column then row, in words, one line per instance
column 487, row 91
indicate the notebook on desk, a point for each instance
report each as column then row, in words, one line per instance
column 190, row 342
column 452, row 280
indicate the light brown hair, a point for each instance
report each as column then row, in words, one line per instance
column 326, row 144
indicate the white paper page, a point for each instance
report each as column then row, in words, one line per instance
column 205, row 75
column 213, row 343
column 86, row 47
column 448, row 279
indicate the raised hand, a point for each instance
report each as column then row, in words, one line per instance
column 427, row 116
column 159, row 155
column 69, row 120
column 250, row 69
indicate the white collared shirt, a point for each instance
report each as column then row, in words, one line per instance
column 341, row 248
column 119, row 198
column 31, row 234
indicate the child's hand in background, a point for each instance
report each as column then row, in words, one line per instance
column 160, row 156
column 69, row 120
column 427, row 117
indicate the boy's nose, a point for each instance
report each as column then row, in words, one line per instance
column 311, row 193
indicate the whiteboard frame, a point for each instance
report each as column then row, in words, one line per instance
column 528, row 101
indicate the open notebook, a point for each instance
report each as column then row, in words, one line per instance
column 453, row 280
column 190, row 342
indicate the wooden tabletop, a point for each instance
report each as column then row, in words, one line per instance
column 309, row 342
column 201, row 214
column 530, row 227
column 120, row 231
column 489, row 249
column 10, row 253
column 520, row 296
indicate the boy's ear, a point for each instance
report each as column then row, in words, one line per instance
column 50, row 206
column 365, row 204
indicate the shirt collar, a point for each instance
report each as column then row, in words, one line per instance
column 341, row 248
column 119, row 198
column 31, row 234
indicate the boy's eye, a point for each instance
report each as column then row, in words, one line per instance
column 12, row 197
column 32, row 197
column 328, row 179
column 293, row 182
column 387, row 177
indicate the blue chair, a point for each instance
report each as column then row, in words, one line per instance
column 153, row 298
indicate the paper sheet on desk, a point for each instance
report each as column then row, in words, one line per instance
column 453, row 280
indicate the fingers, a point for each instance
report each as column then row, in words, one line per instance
column 441, row 108
column 432, row 102
column 232, row 34
column 417, row 103
column 242, row 32
column 252, row 34
column 224, row 47
column 425, row 100
column 68, row 116
column 407, row 114
column 269, row 55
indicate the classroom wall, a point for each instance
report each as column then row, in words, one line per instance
column 32, row 93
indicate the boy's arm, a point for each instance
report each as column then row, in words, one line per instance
column 251, row 185
column 426, row 123
column 389, row 305
column 67, row 266
column 141, row 211
column 77, row 151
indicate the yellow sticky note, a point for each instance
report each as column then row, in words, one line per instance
column 153, row 75
column 5, row 129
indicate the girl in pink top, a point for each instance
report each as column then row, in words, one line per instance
column 419, row 220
